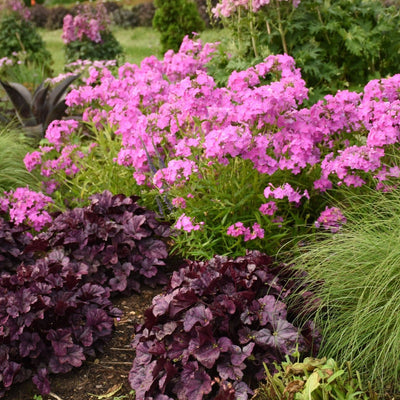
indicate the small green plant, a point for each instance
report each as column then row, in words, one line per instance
column 175, row 19
column 313, row 379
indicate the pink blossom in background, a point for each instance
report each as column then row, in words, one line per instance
column 31, row 160
column 59, row 131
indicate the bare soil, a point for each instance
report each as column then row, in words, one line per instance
column 106, row 377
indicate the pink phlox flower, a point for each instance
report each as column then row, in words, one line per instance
column 59, row 131
column 331, row 219
column 179, row 202
column 187, row 224
column 237, row 229
column 28, row 206
column 283, row 191
column 175, row 171
column 257, row 232
column 268, row 208
column 31, row 160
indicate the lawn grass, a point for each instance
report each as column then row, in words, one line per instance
column 138, row 43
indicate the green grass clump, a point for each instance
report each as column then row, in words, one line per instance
column 13, row 174
column 356, row 275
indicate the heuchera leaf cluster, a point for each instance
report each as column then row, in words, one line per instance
column 49, row 320
column 113, row 242
column 13, row 241
column 209, row 334
column 54, row 288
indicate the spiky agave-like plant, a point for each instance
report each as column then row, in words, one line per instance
column 36, row 111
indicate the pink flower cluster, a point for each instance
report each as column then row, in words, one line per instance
column 225, row 8
column 331, row 219
column 187, row 224
column 175, row 122
column 238, row 229
column 59, row 159
column 27, row 206
column 285, row 191
column 88, row 24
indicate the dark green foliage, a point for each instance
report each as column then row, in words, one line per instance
column 17, row 36
column 337, row 44
column 175, row 19
column 340, row 44
column 108, row 49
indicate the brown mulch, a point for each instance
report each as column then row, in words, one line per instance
column 106, row 377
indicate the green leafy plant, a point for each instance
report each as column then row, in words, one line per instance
column 355, row 275
column 337, row 44
column 36, row 111
column 108, row 49
column 175, row 19
column 313, row 379
column 18, row 35
column 87, row 35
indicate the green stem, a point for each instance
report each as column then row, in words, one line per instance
column 280, row 28
column 252, row 31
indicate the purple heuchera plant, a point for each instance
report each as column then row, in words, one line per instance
column 115, row 241
column 50, row 321
column 13, row 241
column 209, row 334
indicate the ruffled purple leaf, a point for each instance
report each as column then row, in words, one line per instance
column 41, row 380
column 141, row 378
column 197, row 315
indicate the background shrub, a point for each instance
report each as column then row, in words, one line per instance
column 40, row 15
column 19, row 36
column 175, row 19
column 209, row 334
column 87, row 36
column 56, row 17
column 145, row 13
column 125, row 18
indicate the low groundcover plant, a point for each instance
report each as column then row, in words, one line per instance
column 209, row 334
column 55, row 287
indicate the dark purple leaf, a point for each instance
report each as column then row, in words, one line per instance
column 198, row 314
column 10, row 372
column 240, row 354
column 28, row 343
column 61, row 340
column 41, row 380
column 141, row 378
column 229, row 371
